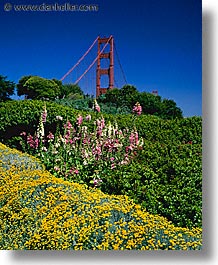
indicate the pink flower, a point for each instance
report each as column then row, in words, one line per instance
column 76, row 171
column 96, row 107
column 97, row 182
column 102, row 123
column 34, row 143
column 23, row 134
column 98, row 122
column 134, row 138
column 68, row 125
column 137, row 109
column 112, row 159
column 56, row 168
column 88, row 117
column 97, row 152
column 44, row 115
column 50, row 136
column 79, row 120
column 113, row 166
column 131, row 138
column 99, row 132
column 129, row 148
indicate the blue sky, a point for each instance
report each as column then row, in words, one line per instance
column 159, row 43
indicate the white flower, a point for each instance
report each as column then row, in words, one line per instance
column 57, row 145
column 141, row 142
column 44, row 149
column 59, row 118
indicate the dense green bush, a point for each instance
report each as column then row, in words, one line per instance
column 164, row 179
column 78, row 104
column 86, row 104
column 23, row 115
column 41, row 212
column 18, row 116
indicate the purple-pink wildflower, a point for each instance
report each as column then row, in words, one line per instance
column 113, row 166
column 88, row 117
column 96, row 107
column 137, row 109
column 44, row 115
column 134, row 138
column 23, row 133
column 50, row 136
column 56, row 168
column 68, row 125
column 79, row 120
column 97, row 182
column 33, row 143
column 76, row 171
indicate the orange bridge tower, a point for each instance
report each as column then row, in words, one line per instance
column 105, row 71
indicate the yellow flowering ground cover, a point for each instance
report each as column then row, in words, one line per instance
column 40, row 211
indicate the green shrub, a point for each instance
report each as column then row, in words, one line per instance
column 39, row 211
column 18, row 116
column 164, row 179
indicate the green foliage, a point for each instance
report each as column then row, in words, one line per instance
column 78, row 104
column 169, row 109
column 128, row 95
column 111, row 108
column 71, row 91
column 86, row 104
column 21, row 88
column 165, row 179
column 36, row 87
column 41, row 212
column 151, row 104
column 6, row 88
column 22, row 115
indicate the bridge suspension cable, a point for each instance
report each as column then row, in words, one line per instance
column 124, row 77
column 84, row 55
column 90, row 66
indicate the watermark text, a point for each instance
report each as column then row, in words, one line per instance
column 44, row 7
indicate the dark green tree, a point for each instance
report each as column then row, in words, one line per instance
column 150, row 103
column 112, row 96
column 21, row 89
column 40, row 88
column 169, row 110
column 72, row 91
column 128, row 96
column 6, row 88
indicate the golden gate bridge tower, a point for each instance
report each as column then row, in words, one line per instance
column 105, row 71
column 105, row 74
